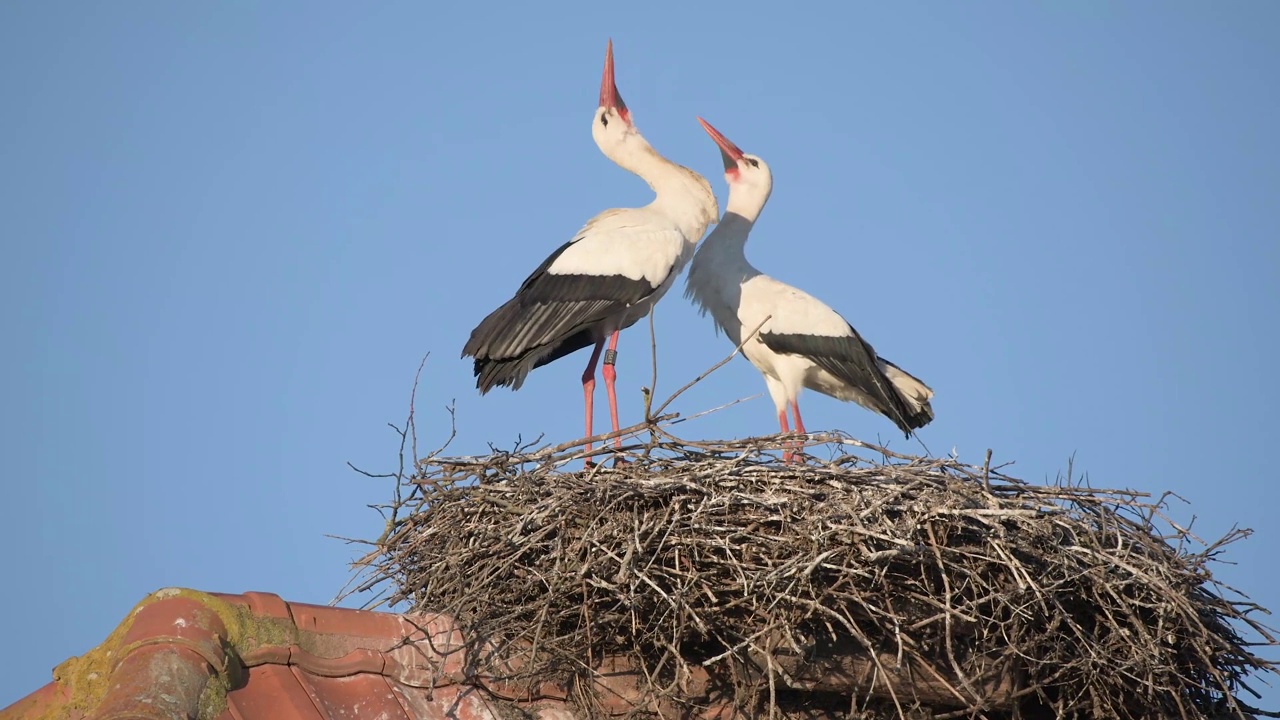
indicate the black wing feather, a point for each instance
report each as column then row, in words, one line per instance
column 852, row 360
column 551, row 316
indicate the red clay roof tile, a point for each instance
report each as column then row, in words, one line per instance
column 181, row 654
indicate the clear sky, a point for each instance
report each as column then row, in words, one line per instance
column 231, row 230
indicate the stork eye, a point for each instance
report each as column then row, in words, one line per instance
column 753, row 162
column 604, row 119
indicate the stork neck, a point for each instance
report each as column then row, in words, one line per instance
column 729, row 239
column 737, row 224
column 745, row 210
column 639, row 157
column 684, row 194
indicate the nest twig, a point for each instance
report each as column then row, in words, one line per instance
column 900, row 587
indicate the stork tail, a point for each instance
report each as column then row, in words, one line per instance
column 914, row 393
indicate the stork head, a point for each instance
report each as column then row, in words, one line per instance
column 748, row 176
column 612, row 125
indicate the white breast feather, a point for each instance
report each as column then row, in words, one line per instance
column 631, row 242
column 711, row 291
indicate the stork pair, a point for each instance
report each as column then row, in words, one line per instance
column 623, row 261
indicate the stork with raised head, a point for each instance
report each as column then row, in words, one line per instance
column 804, row 343
column 607, row 276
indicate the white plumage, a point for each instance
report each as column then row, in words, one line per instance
column 804, row 343
column 607, row 276
column 635, row 243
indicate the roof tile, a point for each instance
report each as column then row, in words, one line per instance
column 271, row 691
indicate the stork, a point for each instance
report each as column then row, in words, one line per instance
column 804, row 343
column 608, row 276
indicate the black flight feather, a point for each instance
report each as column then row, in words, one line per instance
column 852, row 360
column 551, row 316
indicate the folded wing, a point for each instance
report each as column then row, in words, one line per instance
column 579, row 294
column 853, row 361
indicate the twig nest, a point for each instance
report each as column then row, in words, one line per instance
column 897, row 588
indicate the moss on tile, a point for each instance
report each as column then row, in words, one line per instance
column 87, row 676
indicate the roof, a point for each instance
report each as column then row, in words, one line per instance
column 186, row 654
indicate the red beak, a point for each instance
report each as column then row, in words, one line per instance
column 609, row 96
column 728, row 151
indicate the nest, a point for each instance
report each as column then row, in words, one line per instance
column 897, row 587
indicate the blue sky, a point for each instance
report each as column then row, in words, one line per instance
column 230, row 232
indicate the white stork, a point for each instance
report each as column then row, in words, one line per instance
column 608, row 276
column 804, row 344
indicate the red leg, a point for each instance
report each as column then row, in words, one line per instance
column 589, row 389
column 795, row 409
column 782, row 423
column 610, row 375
